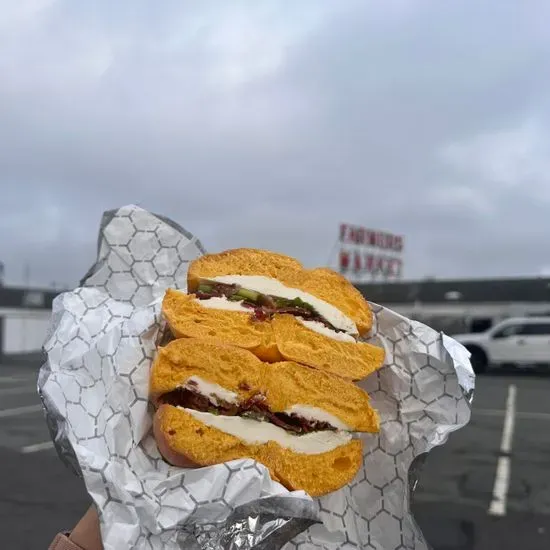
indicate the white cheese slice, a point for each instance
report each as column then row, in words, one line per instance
column 211, row 390
column 318, row 327
column 221, row 302
column 316, row 414
column 273, row 287
column 256, row 432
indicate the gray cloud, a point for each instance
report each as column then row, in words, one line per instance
column 268, row 125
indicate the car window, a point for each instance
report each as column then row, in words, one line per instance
column 527, row 329
column 536, row 329
column 508, row 330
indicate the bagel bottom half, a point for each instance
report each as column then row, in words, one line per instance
column 187, row 318
column 281, row 338
column 353, row 360
column 184, row 441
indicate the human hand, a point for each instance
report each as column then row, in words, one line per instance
column 86, row 533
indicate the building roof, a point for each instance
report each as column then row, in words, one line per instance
column 427, row 291
column 448, row 291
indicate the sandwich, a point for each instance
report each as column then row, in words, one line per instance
column 216, row 402
column 271, row 305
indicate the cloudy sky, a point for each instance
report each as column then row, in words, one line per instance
column 268, row 123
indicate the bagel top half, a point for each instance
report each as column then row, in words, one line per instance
column 269, row 274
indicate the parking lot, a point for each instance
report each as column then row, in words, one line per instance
column 461, row 503
column 489, row 486
column 38, row 495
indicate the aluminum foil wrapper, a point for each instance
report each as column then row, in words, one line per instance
column 94, row 388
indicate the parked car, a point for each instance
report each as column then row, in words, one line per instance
column 521, row 341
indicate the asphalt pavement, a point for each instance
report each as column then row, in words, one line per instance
column 38, row 495
column 487, row 488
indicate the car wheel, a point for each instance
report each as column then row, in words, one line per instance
column 478, row 359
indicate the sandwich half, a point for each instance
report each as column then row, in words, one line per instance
column 270, row 305
column 217, row 403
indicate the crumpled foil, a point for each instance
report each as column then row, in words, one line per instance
column 94, row 388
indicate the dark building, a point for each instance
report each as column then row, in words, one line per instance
column 456, row 306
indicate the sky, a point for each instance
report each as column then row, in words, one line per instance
column 267, row 124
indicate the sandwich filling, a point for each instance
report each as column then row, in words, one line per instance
column 263, row 297
column 202, row 396
column 256, row 432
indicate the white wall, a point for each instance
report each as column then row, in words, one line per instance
column 24, row 330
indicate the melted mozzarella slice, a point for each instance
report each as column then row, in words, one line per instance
column 315, row 414
column 221, row 302
column 213, row 391
column 318, row 327
column 255, row 432
column 273, row 287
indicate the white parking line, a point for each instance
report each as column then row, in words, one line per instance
column 37, row 447
column 5, row 413
column 502, row 478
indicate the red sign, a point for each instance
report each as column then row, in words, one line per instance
column 355, row 235
column 371, row 253
column 356, row 262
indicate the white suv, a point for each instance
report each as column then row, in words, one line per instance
column 522, row 341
